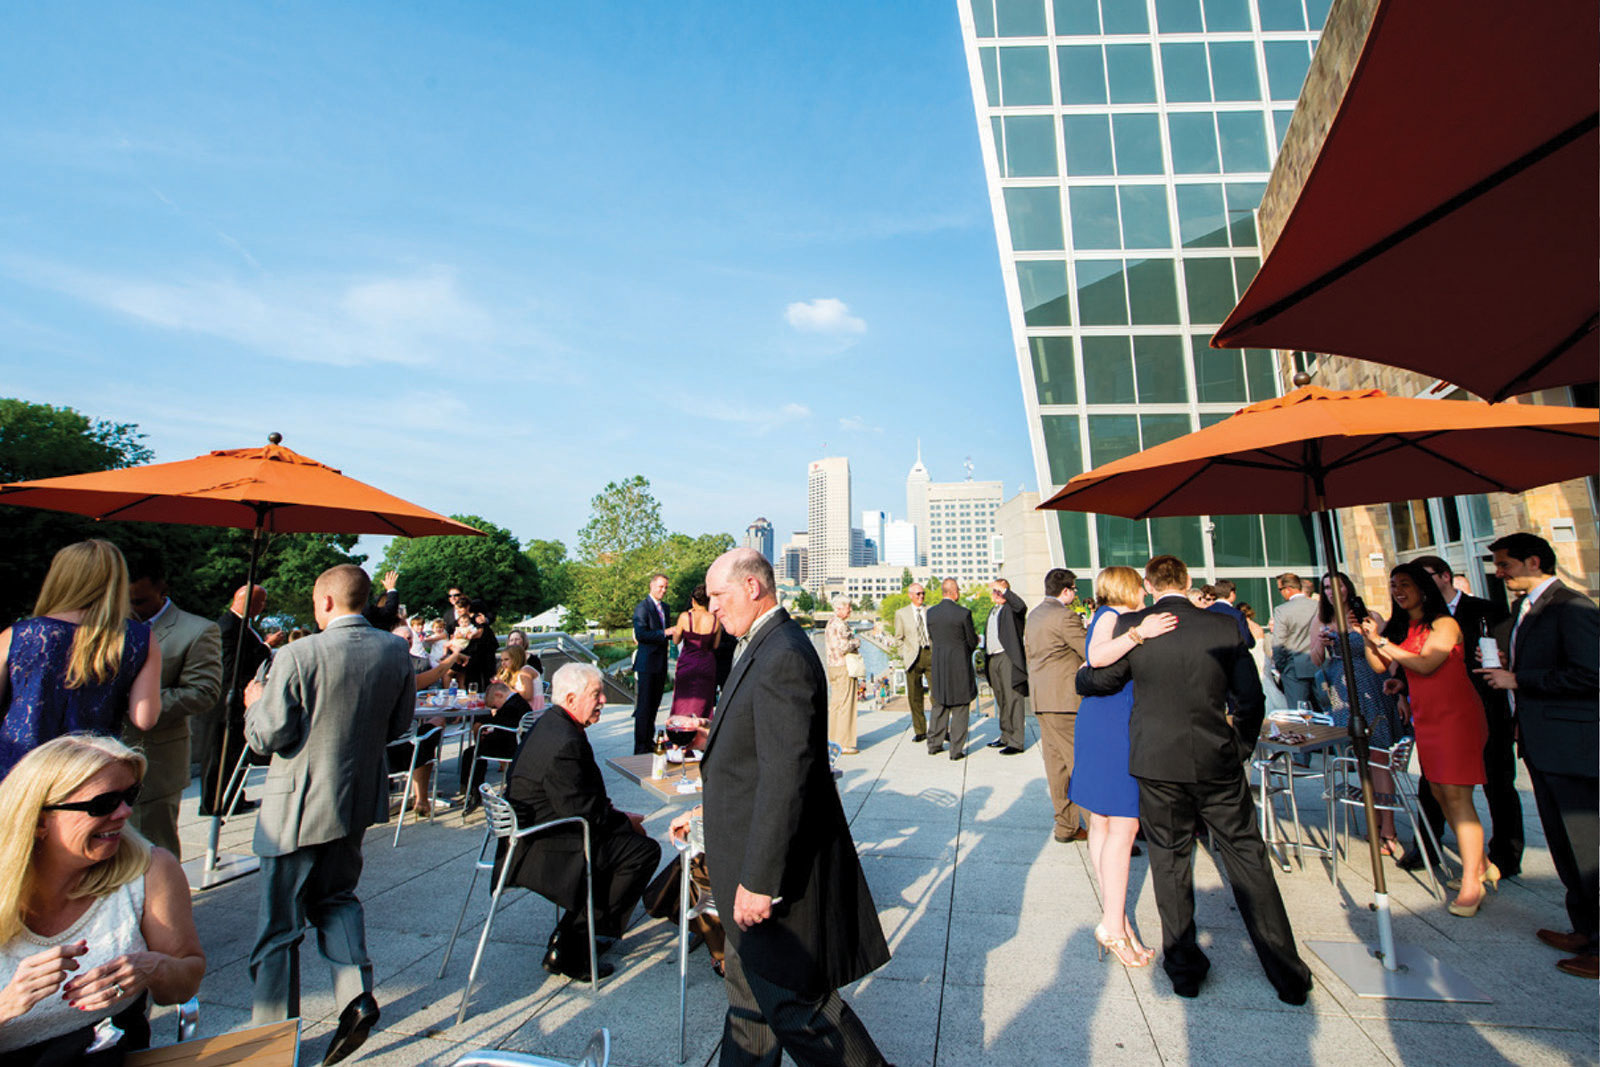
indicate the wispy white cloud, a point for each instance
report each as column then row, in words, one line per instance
column 411, row 319
column 825, row 315
column 858, row 424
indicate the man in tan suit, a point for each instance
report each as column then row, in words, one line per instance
column 191, row 682
column 1054, row 639
column 916, row 652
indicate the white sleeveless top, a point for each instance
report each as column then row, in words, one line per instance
column 111, row 927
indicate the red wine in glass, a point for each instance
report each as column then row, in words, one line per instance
column 682, row 737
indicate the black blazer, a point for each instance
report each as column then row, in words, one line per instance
column 1554, row 659
column 1472, row 614
column 651, row 635
column 555, row 775
column 255, row 654
column 774, row 823
column 1182, row 681
column 508, row 715
column 952, row 637
column 1013, row 625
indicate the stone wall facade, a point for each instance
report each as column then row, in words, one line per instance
column 1563, row 514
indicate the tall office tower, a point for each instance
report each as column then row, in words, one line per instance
column 1127, row 144
column 793, row 563
column 872, row 524
column 758, row 535
column 828, row 507
column 858, row 548
column 961, row 530
column 900, row 543
column 917, row 482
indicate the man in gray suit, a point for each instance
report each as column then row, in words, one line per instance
column 331, row 703
column 1292, row 623
column 1055, row 639
column 191, row 682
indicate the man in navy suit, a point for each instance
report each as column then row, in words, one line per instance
column 652, row 635
column 1551, row 678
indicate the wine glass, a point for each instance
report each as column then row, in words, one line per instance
column 681, row 732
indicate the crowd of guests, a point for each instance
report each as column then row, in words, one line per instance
column 1148, row 714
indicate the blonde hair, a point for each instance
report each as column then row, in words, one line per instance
column 518, row 658
column 1122, row 586
column 48, row 775
column 91, row 577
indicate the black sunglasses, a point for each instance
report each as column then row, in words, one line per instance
column 102, row 805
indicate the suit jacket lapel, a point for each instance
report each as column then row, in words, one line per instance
column 737, row 675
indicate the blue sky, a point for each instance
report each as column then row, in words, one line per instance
column 491, row 256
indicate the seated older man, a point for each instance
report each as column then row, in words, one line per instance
column 553, row 776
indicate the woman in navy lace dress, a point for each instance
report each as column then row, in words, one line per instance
column 81, row 663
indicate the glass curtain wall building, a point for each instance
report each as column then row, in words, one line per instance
column 1127, row 144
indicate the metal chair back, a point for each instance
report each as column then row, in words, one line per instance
column 528, row 719
column 498, row 813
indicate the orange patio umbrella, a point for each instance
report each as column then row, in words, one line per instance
column 1450, row 223
column 268, row 490
column 1316, row 449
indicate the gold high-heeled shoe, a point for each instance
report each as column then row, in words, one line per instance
column 1464, row 911
column 1118, row 947
column 1138, row 946
column 1490, row 880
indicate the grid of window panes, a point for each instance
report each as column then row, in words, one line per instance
column 1133, row 140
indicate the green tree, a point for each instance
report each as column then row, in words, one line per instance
column 555, row 572
column 617, row 550
column 805, row 602
column 891, row 604
column 906, row 580
column 41, row 441
column 685, row 562
column 867, row 604
column 492, row 569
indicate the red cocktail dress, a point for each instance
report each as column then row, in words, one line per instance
column 1449, row 719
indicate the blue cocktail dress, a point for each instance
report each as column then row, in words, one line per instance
column 1100, row 780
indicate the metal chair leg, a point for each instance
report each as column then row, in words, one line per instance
column 483, row 940
column 683, row 956
column 473, row 884
column 235, row 789
column 405, row 794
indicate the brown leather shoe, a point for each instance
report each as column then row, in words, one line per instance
column 1582, row 966
column 1573, row 942
column 1080, row 834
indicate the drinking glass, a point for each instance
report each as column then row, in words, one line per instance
column 472, row 692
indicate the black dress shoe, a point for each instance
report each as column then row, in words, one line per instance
column 957, row 755
column 355, row 1023
column 915, row 738
column 997, row 744
column 574, row 965
column 1411, row 861
column 1010, row 750
column 1296, row 996
column 1188, row 987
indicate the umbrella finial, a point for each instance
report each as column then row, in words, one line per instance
column 1301, row 380
column 274, row 438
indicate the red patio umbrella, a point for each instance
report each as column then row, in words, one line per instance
column 1316, row 449
column 1450, row 224
column 267, row 490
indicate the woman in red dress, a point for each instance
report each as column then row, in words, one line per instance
column 1450, row 723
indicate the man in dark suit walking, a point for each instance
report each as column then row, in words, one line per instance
column 953, row 682
column 1552, row 677
column 1007, row 664
column 331, row 703
column 1479, row 618
column 555, row 775
column 219, row 754
column 1188, row 755
column 652, row 635
column 778, row 848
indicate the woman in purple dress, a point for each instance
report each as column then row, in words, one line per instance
column 699, row 634
column 81, row 663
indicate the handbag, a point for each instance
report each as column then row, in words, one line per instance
column 855, row 665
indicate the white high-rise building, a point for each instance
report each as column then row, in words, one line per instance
column 828, row 507
column 791, row 562
column 899, row 543
column 917, row 482
column 961, row 529
column 872, row 524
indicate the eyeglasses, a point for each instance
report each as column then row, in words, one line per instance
column 102, row 805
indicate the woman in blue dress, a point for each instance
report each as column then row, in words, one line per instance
column 81, row 663
column 1100, row 783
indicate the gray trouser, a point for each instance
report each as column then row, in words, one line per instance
column 764, row 1021
column 1009, row 704
column 951, row 719
column 315, row 884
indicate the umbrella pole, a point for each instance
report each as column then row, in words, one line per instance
column 1392, row 972
column 211, row 872
column 1361, row 742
